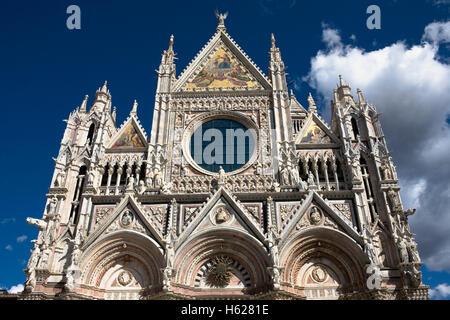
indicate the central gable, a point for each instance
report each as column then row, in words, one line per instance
column 222, row 70
column 221, row 65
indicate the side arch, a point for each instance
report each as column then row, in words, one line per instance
column 122, row 265
column 322, row 263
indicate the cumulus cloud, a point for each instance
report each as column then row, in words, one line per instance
column 437, row 32
column 441, row 291
column 411, row 88
column 16, row 289
column 331, row 37
column 22, row 238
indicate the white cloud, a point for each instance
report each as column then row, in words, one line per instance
column 437, row 32
column 411, row 88
column 22, row 238
column 331, row 36
column 16, row 289
column 9, row 247
column 440, row 292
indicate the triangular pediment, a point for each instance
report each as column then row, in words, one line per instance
column 127, row 215
column 314, row 211
column 222, row 210
column 130, row 136
column 221, row 65
column 315, row 132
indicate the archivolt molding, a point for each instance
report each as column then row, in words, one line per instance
column 316, row 242
column 108, row 251
column 244, row 248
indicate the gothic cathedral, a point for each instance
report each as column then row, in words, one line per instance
column 239, row 192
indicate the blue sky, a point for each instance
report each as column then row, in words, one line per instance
column 46, row 70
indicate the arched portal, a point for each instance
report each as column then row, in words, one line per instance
column 222, row 262
column 321, row 263
column 122, row 265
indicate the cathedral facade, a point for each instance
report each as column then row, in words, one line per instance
column 239, row 192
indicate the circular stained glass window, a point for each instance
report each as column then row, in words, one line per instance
column 222, row 143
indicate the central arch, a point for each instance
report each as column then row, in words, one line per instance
column 247, row 263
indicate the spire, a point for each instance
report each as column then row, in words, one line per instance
column 171, row 43
column 134, row 110
column 104, row 88
column 312, row 104
column 360, row 96
column 168, row 55
column 343, row 88
column 221, row 17
column 83, row 104
column 275, row 54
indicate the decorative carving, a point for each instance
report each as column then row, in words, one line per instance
column 221, row 215
column 315, row 216
column 124, row 278
column 220, row 272
column 319, row 274
column 126, row 219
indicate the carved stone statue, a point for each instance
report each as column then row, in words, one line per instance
column 158, row 178
column 315, row 216
column 387, row 173
column 272, row 242
column 221, row 17
column 404, row 257
column 221, row 178
column 311, row 181
column 275, row 275
column 167, row 276
column 142, row 187
column 222, row 215
column 394, row 200
column 370, row 251
column 285, row 177
column 60, row 179
column 130, row 184
column 295, row 176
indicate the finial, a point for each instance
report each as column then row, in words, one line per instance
column 360, row 96
column 171, row 43
column 134, row 110
column 104, row 88
column 272, row 39
column 83, row 104
column 221, row 17
column 312, row 103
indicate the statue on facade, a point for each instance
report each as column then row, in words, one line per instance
column 311, row 181
column 404, row 257
column 272, row 242
column 221, row 179
column 285, row 177
column 158, row 178
column 387, row 173
column 142, row 187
